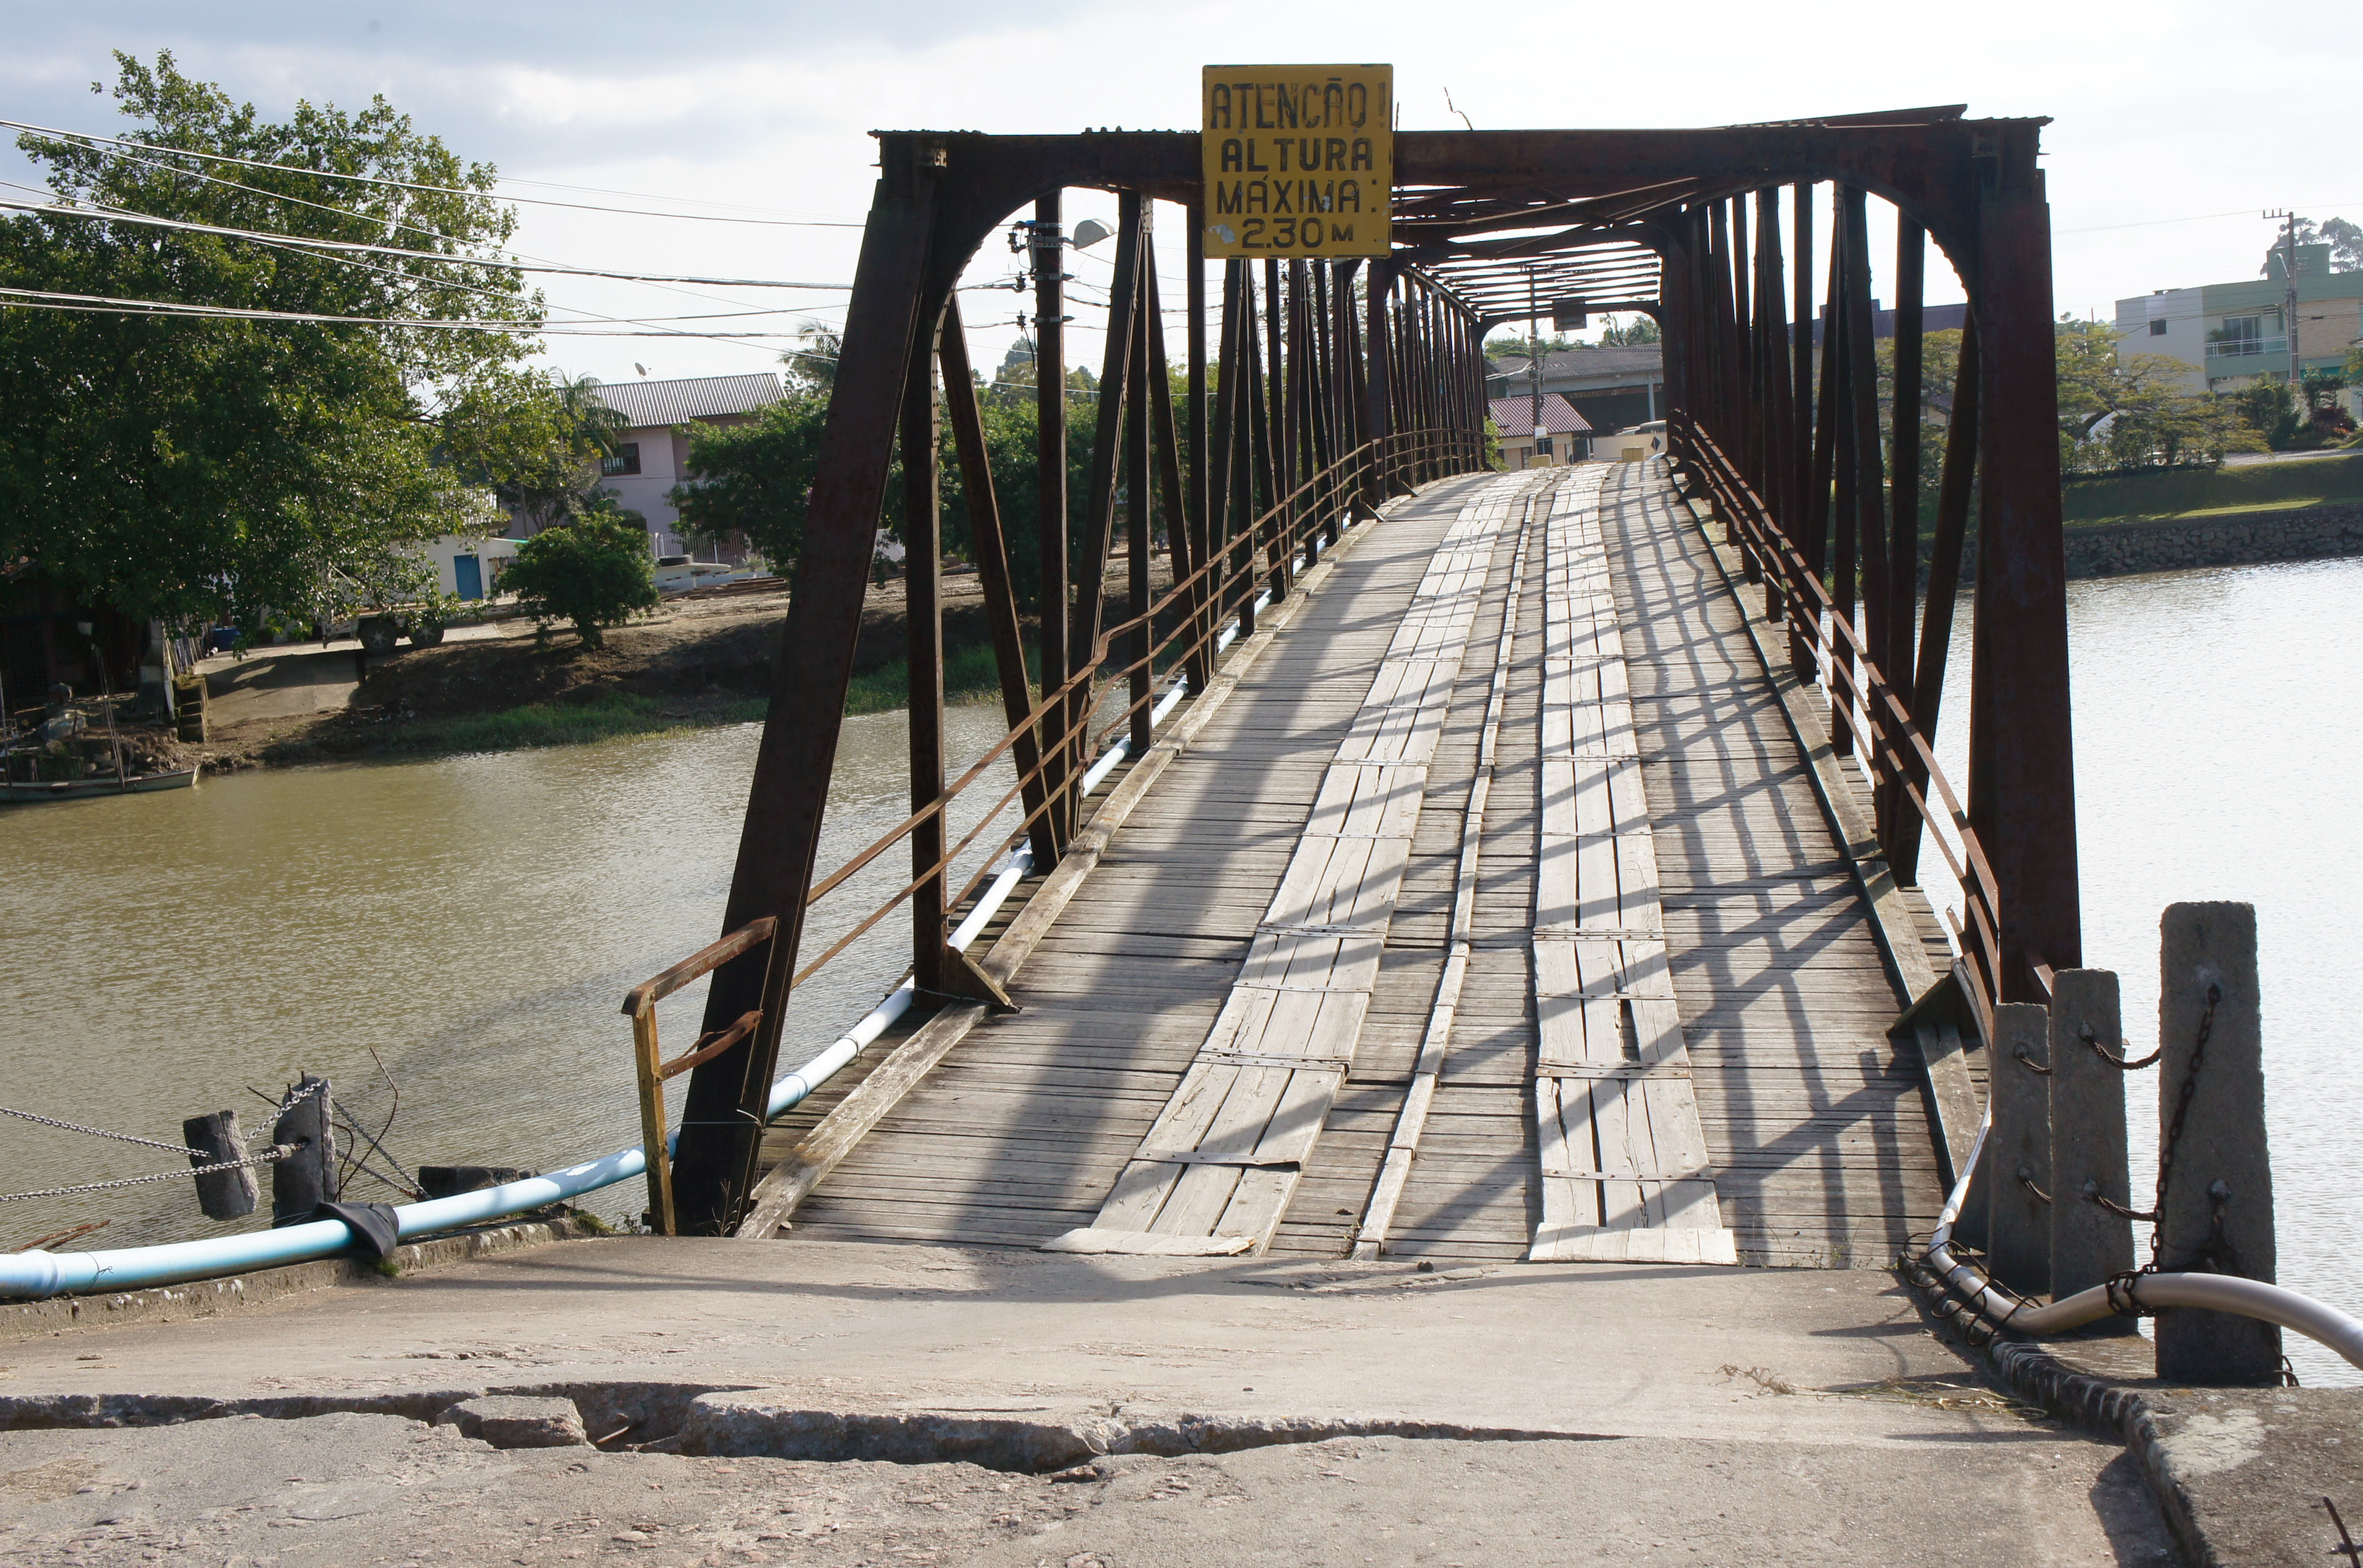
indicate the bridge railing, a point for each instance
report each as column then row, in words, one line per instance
column 1180, row 634
column 1869, row 716
column 1259, row 560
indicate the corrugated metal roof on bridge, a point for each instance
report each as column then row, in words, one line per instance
column 645, row 403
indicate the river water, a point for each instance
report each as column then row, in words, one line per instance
column 476, row 921
column 2216, row 738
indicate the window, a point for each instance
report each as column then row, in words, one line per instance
column 626, row 459
column 2158, row 327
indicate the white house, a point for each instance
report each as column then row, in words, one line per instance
column 652, row 454
column 469, row 564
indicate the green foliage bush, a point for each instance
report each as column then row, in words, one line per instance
column 594, row 571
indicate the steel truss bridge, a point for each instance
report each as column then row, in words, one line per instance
column 1490, row 865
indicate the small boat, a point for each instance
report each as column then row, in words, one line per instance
column 14, row 791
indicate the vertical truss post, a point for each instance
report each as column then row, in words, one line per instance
column 1718, row 293
column 724, row 1113
column 1801, row 402
column 1325, row 407
column 1201, row 476
column 1903, row 499
column 1863, row 388
column 1050, row 491
column 1846, row 506
column 2022, row 765
column 1238, row 403
column 1140, row 510
column 1229, row 440
column 1299, row 399
column 1944, row 586
column 1181, row 545
column 1262, row 389
column 1099, row 502
column 922, row 590
column 1770, row 378
column 1379, row 400
column 1352, row 381
column 992, row 546
column 1279, row 451
column 1744, row 431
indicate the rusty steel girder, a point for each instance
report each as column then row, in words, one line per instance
column 1485, row 223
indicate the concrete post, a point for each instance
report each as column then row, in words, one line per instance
column 212, row 1140
column 2089, row 1243
column 307, row 1179
column 2216, row 1205
column 2018, row 1151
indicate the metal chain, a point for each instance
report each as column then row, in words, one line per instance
column 2174, row 1128
column 277, row 1151
column 93, row 1131
column 2121, row 1064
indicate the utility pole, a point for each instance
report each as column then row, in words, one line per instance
column 1534, row 361
column 2288, row 308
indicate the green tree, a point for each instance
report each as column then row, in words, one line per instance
column 535, row 437
column 755, row 480
column 1630, row 332
column 1520, row 346
column 593, row 572
column 186, row 468
column 2123, row 412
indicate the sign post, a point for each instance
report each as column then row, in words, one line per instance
column 1299, row 159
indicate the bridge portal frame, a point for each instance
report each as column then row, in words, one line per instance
column 1357, row 403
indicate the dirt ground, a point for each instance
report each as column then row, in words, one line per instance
column 693, row 654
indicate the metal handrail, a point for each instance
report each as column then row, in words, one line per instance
column 640, row 1007
column 1897, row 752
column 1061, row 723
column 1381, row 453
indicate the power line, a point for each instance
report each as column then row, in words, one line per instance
column 440, row 190
column 112, row 214
column 109, row 305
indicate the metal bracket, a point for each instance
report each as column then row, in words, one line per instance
column 963, row 976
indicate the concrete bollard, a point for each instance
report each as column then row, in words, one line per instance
column 2215, row 1210
column 307, row 1178
column 212, row 1140
column 2089, row 1243
column 2018, row 1151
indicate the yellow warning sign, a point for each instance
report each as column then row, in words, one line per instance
column 1299, row 159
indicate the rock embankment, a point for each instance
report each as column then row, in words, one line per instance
column 2235, row 539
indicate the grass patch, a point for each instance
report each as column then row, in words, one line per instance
column 2185, row 492
column 609, row 715
column 969, row 673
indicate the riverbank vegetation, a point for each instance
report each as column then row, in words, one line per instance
column 2170, row 494
column 692, row 664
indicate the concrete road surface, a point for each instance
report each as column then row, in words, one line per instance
column 1638, row 1415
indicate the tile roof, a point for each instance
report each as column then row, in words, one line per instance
column 1515, row 416
column 645, row 403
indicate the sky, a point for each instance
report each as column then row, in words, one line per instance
column 2162, row 154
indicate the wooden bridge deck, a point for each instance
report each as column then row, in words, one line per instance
column 1814, row 1126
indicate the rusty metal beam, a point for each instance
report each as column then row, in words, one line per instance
column 722, row 1116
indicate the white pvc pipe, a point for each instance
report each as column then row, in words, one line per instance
column 2215, row 1293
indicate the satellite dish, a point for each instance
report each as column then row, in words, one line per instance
column 640, row 367
column 1090, row 231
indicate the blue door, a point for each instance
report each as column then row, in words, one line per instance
column 468, row 575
